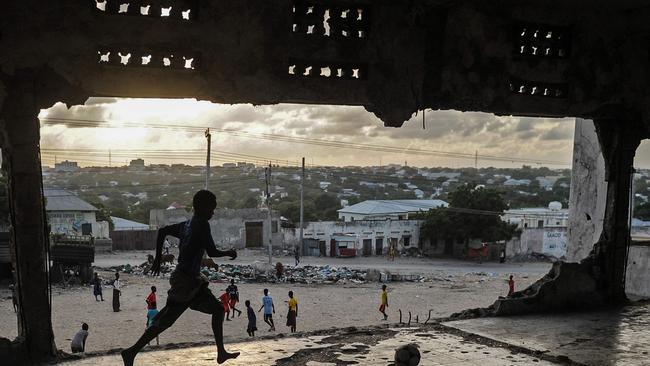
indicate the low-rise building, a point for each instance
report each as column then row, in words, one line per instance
column 539, row 217
column 242, row 228
column 367, row 238
column 66, row 166
column 70, row 215
column 543, row 231
column 388, row 209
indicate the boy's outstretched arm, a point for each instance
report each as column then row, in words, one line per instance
column 163, row 232
column 216, row 253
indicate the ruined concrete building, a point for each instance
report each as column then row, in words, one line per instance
column 551, row 58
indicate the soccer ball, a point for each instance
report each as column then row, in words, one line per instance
column 407, row 355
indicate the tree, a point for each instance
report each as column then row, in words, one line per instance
column 473, row 214
column 103, row 214
column 642, row 212
column 251, row 201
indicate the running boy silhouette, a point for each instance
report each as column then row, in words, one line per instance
column 189, row 289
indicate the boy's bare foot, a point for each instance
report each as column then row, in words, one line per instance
column 127, row 357
column 225, row 356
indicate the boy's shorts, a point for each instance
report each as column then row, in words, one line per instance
column 382, row 308
column 268, row 317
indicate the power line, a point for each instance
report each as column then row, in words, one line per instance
column 302, row 140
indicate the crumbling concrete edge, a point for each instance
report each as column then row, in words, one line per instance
column 566, row 287
column 487, row 341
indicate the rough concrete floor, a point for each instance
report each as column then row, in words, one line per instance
column 371, row 346
column 605, row 338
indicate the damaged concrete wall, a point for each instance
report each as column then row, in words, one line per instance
column 545, row 58
column 637, row 277
column 588, row 192
column 229, row 228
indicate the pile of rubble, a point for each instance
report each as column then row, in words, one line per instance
column 262, row 272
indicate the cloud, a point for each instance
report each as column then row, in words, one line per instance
column 445, row 130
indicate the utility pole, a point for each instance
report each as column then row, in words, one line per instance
column 267, row 176
column 208, row 136
column 302, row 190
column 476, row 159
column 109, row 158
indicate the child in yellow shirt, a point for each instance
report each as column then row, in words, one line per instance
column 293, row 312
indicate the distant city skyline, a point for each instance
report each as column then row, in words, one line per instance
column 324, row 135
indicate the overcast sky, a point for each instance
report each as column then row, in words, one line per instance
column 514, row 137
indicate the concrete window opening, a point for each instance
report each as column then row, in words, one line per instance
column 637, row 276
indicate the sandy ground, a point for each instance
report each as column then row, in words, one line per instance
column 464, row 285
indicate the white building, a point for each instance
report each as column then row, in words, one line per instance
column 552, row 216
column 70, row 215
column 367, row 237
column 387, row 209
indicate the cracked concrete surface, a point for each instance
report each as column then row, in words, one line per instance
column 604, row 338
column 373, row 346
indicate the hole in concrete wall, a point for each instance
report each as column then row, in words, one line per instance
column 539, row 89
column 326, row 24
column 537, row 40
column 149, row 8
column 318, row 18
column 104, row 57
column 190, row 60
column 188, row 63
column 588, row 217
column 325, row 71
column 124, row 59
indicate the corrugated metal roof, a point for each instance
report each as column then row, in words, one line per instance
column 62, row 200
column 124, row 224
column 377, row 207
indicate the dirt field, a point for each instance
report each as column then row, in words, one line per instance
column 460, row 285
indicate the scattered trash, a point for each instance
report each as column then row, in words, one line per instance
column 263, row 272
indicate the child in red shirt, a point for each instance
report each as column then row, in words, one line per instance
column 151, row 299
column 225, row 302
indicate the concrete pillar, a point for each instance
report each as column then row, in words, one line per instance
column 619, row 142
column 588, row 192
column 21, row 160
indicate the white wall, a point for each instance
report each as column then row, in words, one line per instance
column 69, row 222
column 551, row 241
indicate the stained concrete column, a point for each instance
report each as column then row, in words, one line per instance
column 588, row 192
column 619, row 142
column 21, row 160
